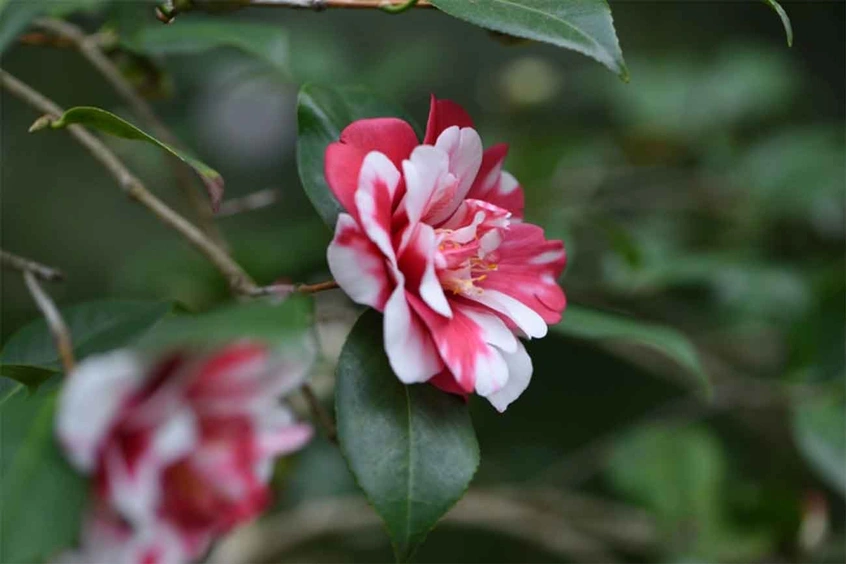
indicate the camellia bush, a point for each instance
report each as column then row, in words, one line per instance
column 161, row 431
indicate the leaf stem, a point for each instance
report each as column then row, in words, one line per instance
column 22, row 264
column 57, row 325
column 89, row 47
column 238, row 280
column 319, row 414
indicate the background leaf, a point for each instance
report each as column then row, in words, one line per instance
column 585, row 26
column 94, row 326
column 592, row 324
column 30, row 376
column 266, row 42
column 322, row 113
column 16, row 15
column 113, row 125
column 263, row 320
column 818, row 427
column 42, row 497
column 412, row 449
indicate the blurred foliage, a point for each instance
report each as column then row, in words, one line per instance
column 706, row 195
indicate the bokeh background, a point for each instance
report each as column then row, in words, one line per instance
column 707, row 194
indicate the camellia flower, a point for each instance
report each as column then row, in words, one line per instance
column 181, row 446
column 433, row 237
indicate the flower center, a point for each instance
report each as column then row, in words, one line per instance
column 468, row 254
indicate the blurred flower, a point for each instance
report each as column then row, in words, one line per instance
column 181, row 446
column 433, row 238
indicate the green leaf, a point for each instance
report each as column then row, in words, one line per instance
column 37, row 483
column 821, row 436
column 94, row 326
column 591, row 324
column 412, row 449
column 322, row 113
column 785, row 20
column 681, row 475
column 113, row 125
column 585, row 26
column 273, row 323
column 30, row 376
column 266, row 42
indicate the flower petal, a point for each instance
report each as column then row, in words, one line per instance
column 377, row 185
column 409, row 346
column 417, row 263
column 91, row 400
column 429, row 186
column 519, row 374
column 462, row 345
column 524, row 317
column 358, row 265
column 495, row 186
column 444, row 114
column 464, row 148
column 527, row 270
column 390, row 136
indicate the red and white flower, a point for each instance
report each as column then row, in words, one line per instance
column 181, row 446
column 433, row 237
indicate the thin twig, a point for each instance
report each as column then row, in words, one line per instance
column 166, row 13
column 251, row 202
column 89, row 47
column 238, row 280
column 318, row 414
column 286, row 289
column 344, row 4
column 58, row 328
column 22, row 264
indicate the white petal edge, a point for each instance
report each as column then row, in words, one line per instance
column 519, row 375
column 423, row 172
column 527, row 319
column 91, row 400
column 409, row 346
column 431, row 290
column 376, row 169
column 353, row 268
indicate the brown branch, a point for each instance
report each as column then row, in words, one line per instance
column 318, row 414
column 166, row 13
column 58, row 328
column 343, row 4
column 238, row 280
column 286, row 289
column 89, row 47
column 22, row 264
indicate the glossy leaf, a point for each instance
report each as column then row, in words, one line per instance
column 820, row 433
column 262, row 320
column 266, row 42
column 322, row 113
column 592, row 324
column 30, row 376
column 412, row 449
column 38, row 485
column 585, row 26
column 113, row 125
column 785, row 20
column 94, row 326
